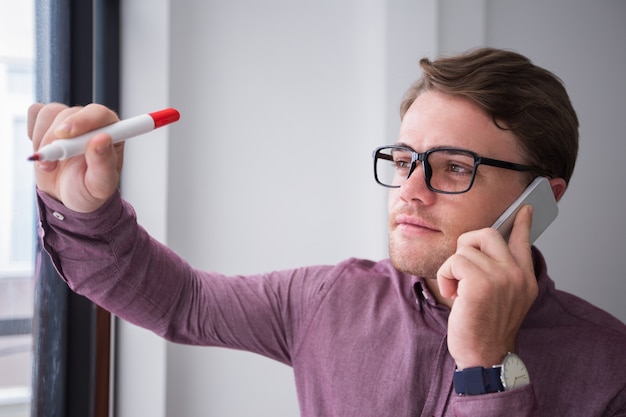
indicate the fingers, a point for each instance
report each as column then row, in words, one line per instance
column 33, row 111
column 40, row 119
column 479, row 254
column 484, row 253
column 56, row 120
column 84, row 120
column 447, row 280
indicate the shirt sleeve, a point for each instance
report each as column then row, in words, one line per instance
column 107, row 257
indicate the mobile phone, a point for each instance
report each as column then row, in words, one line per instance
column 539, row 195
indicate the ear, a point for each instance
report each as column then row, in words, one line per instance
column 558, row 187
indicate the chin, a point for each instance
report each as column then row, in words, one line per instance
column 417, row 263
column 415, row 259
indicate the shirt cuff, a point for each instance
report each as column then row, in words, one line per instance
column 519, row 402
column 54, row 214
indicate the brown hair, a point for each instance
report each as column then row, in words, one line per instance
column 519, row 96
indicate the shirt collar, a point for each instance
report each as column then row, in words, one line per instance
column 423, row 295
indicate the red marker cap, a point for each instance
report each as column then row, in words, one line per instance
column 164, row 117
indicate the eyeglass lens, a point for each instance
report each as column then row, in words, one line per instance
column 445, row 170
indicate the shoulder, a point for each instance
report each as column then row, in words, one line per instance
column 559, row 309
column 352, row 277
column 586, row 314
column 564, row 322
column 562, row 329
column 364, row 271
column 562, row 313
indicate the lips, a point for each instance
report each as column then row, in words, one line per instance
column 414, row 224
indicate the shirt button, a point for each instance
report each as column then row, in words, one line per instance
column 58, row 215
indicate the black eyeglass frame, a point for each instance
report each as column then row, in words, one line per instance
column 423, row 158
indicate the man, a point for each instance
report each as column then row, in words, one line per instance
column 423, row 333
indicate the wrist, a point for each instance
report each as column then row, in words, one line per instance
column 486, row 360
column 510, row 374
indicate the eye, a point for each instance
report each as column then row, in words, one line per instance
column 401, row 160
column 402, row 163
column 452, row 163
column 458, row 168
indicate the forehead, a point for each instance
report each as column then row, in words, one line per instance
column 437, row 119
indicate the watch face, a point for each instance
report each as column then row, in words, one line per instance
column 514, row 372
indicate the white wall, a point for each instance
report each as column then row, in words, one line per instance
column 275, row 98
column 141, row 359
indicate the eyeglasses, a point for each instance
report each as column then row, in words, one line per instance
column 446, row 170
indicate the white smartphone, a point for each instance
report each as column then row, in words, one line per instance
column 539, row 195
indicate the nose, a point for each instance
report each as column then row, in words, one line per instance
column 415, row 188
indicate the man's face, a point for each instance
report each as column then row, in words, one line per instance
column 424, row 225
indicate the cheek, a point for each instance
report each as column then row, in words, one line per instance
column 479, row 214
column 463, row 213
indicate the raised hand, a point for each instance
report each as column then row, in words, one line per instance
column 492, row 286
column 85, row 182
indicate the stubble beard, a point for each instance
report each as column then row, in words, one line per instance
column 416, row 259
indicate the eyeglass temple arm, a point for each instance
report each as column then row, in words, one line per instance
column 508, row 165
column 383, row 156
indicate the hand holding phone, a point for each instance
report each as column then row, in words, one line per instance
column 540, row 196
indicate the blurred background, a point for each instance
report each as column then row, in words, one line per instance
column 17, row 215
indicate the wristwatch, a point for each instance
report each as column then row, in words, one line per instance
column 475, row 381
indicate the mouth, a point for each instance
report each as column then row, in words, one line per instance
column 414, row 225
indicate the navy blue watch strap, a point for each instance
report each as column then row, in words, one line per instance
column 479, row 380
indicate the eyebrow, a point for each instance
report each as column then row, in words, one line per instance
column 406, row 145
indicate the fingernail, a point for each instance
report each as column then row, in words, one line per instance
column 47, row 166
column 103, row 148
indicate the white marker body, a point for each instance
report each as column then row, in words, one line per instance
column 62, row 149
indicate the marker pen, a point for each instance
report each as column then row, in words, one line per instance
column 62, row 149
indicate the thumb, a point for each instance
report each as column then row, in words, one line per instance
column 519, row 240
column 102, row 176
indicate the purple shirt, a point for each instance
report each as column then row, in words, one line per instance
column 363, row 338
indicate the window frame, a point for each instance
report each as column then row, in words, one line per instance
column 77, row 63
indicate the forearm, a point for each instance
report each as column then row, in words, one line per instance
column 108, row 258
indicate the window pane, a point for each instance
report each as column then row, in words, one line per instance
column 21, row 231
column 16, row 207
